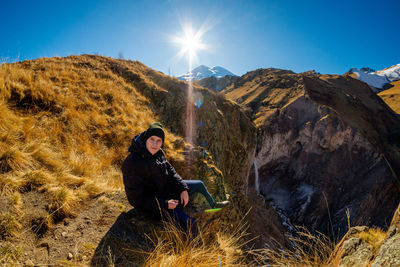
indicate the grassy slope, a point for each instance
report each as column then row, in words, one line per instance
column 264, row 92
column 71, row 121
column 392, row 96
column 65, row 125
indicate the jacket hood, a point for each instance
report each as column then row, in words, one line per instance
column 138, row 146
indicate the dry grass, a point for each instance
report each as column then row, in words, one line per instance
column 374, row 236
column 392, row 96
column 65, row 126
column 307, row 250
column 177, row 248
column 9, row 225
column 10, row 254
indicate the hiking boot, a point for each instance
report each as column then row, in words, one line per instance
column 221, row 204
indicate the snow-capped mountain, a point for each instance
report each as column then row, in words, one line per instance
column 204, row 72
column 377, row 79
column 392, row 73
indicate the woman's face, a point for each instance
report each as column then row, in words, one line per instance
column 153, row 144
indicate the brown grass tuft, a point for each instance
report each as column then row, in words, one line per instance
column 9, row 225
column 177, row 248
column 307, row 250
column 33, row 180
column 13, row 159
column 10, row 254
column 62, row 203
column 374, row 236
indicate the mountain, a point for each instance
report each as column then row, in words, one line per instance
column 317, row 137
column 391, row 96
column 392, row 73
column 217, row 84
column 204, row 72
column 321, row 151
column 377, row 79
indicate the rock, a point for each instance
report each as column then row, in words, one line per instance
column 357, row 229
column 70, row 256
column 356, row 252
column 64, row 234
column 389, row 253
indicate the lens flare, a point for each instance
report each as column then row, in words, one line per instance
column 190, row 42
column 198, row 99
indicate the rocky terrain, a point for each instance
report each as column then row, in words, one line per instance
column 217, row 84
column 323, row 148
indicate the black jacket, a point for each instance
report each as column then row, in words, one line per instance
column 150, row 180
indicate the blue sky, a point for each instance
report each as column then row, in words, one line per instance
column 328, row 36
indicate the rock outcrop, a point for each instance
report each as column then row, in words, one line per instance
column 362, row 246
column 217, row 84
column 322, row 150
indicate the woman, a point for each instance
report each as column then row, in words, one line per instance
column 153, row 186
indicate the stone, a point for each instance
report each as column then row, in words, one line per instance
column 64, row 234
column 70, row 256
column 356, row 252
column 389, row 253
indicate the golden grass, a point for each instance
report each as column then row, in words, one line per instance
column 374, row 236
column 9, row 225
column 392, row 96
column 311, row 250
column 173, row 247
column 65, row 127
column 34, row 180
column 63, row 203
column 10, row 254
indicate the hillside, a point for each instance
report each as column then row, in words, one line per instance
column 65, row 126
column 392, row 96
column 317, row 137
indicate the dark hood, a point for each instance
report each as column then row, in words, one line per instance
column 139, row 147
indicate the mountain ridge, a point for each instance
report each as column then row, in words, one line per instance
column 203, row 71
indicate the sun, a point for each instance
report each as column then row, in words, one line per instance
column 189, row 42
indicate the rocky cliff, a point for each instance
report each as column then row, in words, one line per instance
column 322, row 148
column 217, row 84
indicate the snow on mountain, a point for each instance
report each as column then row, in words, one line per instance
column 204, row 72
column 392, row 73
column 372, row 79
column 377, row 79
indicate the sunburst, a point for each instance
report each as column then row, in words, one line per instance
column 190, row 43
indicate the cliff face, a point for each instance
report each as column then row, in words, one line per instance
column 217, row 84
column 313, row 163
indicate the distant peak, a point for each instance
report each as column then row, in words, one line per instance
column 203, row 71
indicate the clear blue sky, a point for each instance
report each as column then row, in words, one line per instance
column 328, row 36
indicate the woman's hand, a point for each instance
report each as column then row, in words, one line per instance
column 172, row 203
column 184, row 198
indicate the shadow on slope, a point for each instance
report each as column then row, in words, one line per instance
column 126, row 241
